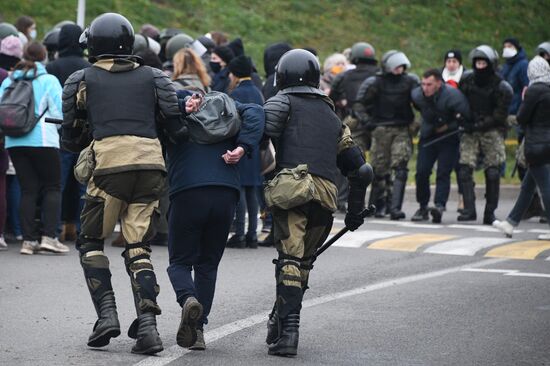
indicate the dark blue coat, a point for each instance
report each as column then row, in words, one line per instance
column 220, row 81
column 192, row 165
column 514, row 72
column 249, row 168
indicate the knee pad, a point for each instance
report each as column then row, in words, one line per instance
column 288, row 270
column 137, row 258
column 492, row 173
column 465, row 173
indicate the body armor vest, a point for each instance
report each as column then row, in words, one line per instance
column 121, row 103
column 310, row 137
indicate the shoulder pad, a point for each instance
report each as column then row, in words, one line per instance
column 76, row 77
column 416, row 94
column 371, row 80
column 414, row 78
column 505, row 87
column 467, row 74
column 279, row 102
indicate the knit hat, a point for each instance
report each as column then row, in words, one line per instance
column 225, row 53
column 538, row 71
column 454, row 53
column 12, row 46
column 236, row 46
column 513, row 41
column 241, row 66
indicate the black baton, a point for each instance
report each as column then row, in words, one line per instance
column 369, row 211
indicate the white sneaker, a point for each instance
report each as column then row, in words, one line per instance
column 3, row 245
column 544, row 236
column 52, row 245
column 29, row 247
column 505, row 227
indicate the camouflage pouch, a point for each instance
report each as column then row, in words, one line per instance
column 85, row 165
column 290, row 188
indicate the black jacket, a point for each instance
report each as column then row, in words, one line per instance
column 447, row 107
column 534, row 116
column 489, row 103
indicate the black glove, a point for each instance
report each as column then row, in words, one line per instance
column 353, row 221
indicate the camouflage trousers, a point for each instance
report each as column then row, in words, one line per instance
column 391, row 148
column 359, row 134
column 298, row 233
column 131, row 197
column 489, row 143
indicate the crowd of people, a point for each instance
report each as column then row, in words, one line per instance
column 466, row 109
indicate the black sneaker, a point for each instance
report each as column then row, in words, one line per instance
column 252, row 241
column 236, row 241
column 420, row 215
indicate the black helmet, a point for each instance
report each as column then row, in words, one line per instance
column 110, row 34
column 51, row 39
column 298, row 67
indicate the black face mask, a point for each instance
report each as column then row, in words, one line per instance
column 482, row 77
column 215, row 67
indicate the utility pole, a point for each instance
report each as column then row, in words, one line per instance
column 81, row 13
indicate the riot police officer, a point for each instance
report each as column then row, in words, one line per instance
column 386, row 99
column 489, row 97
column 311, row 143
column 115, row 101
column 343, row 93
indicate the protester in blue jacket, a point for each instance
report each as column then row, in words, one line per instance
column 35, row 155
column 240, row 71
column 204, row 191
column 514, row 71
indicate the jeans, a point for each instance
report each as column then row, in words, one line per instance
column 196, row 241
column 248, row 201
column 446, row 154
column 535, row 177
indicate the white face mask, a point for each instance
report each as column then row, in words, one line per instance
column 33, row 34
column 509, row 52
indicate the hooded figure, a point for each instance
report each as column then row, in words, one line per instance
column 70, row 54
column 11, row 52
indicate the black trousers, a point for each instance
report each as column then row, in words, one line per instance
column 39, row 173
column 199, row 220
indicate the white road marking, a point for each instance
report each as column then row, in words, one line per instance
column 175, row 352
column 507, row 272
column 537, row 231
column 421, row 226
column 483, row 228
column 465, row 246
column 357, row 238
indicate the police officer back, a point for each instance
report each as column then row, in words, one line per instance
column 115, row 101
column 311, row 144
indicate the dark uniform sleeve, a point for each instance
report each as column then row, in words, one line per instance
column 504, row 98
column 169, row 117
column 252, row 127
column 74, row 131
column 337, row 90
column 366, row 97
column 276, row 110
column 460, row 109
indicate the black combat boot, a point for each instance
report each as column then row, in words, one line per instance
column 377, row 198
column 398, row 194
column 492, row 188
column 468, row 193
column 272, row 327
column 144, row 330
column 287, row 343
column 107, row 325
column 421, row 214
column 437, row 213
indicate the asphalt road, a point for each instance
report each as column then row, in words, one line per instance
column 379, row 299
